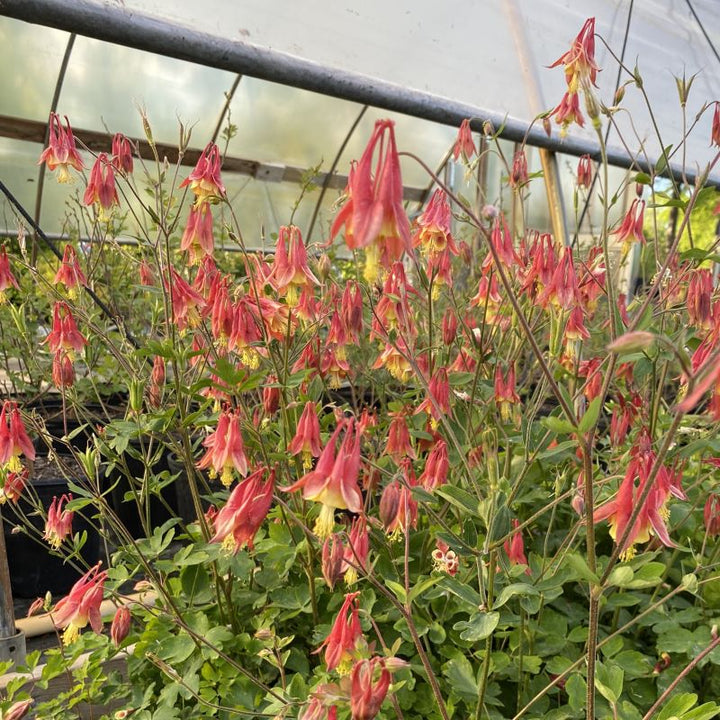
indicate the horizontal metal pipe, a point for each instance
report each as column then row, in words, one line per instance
column 117, row 25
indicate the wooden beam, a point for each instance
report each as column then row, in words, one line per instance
column 34, row 131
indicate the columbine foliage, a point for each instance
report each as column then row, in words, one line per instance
column 454, row 469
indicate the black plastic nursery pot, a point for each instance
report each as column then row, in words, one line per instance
column 34, row 570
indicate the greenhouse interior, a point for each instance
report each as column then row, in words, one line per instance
column 360, row 360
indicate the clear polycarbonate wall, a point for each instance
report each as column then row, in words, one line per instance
column 491, row 55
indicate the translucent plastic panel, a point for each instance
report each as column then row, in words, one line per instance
column 280, row 124
column 262, row 207
column 106, row 84
column 18, row 160
column 31, row 57
column 490, row 55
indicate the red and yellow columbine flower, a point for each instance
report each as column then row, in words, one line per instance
column 70, row 273
column 345, row 637
column 436, row 467
column 7, row 279
column 81, row 606
column 437, row 404
column 515, row 548
column 61, row 152
column 205, row 180
column 59, row 521
column 225, row 449
column 630, row 229
column 333, row 482
column 579, row 60
column 122, row 153
column 291, row 273
column 584, row 171
column 186, row 302
column 14, row 440
column 654, row 512
column 398, row 508
column 399, row 445
column 13, row 486
column 464, row 145
column 307, row 436
column 373, row 215
column 506, row 397
column 197, row 239
column 237, row 523
column 370, row 681
column 355, row 553
column 101, row 186
column 64, row 335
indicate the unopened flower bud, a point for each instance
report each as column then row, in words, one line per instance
column 632, row 342
column 547, row 126
column 488, row 128
column 17, row 710
column 120, row 625
column 135, row 390
column 323, row 266
column 619, row 95
column 264, row 635
column 449, row 326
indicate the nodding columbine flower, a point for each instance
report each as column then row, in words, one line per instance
column 584, row 171
column 398, row 509
column 14, row 440
column 147, row 276
column 205, row 180
column 436, row 467
column 393, row 311
column 506, row 397
column 437, row 404
column 101, row 186
column 81, row 606
column 64, row 335
column 70, row 273
column 225, row 449
column 334, row 481
column 58, row 525
column 307, row 436
column 122, row 153
column 434, row 235
column 120, row 626
column 568, row 112
column 699, row 298
column 579, row 60
column 654, row 512
column 355, row 553
column 464, row 144
column 290, row 271
column 515, row 548
column 399, row 445
column 197, row 239
column 711, row 515
column 519, row 172
column 373, row 215
column 186, row 302
column 630, row 229
column 7, row 279
column 238, row 521
column 449, row 326
column 394, row 358
column 345, row 637
column 157, row 381
column 61, row 152
column 13, row 487
column 368, row 688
